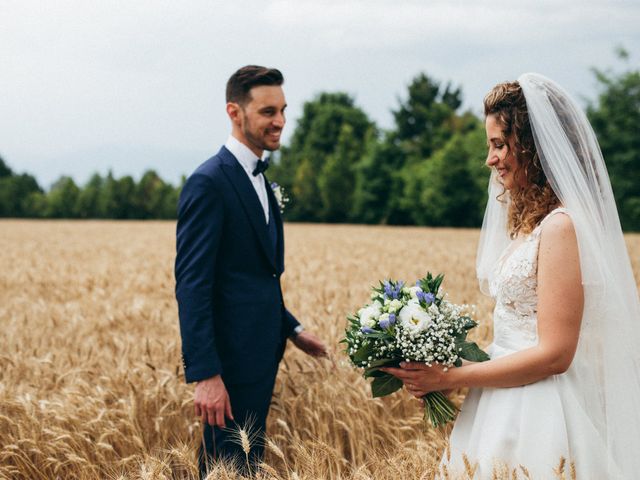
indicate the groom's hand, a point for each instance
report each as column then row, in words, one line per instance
column 212, row 401
column 310, row 344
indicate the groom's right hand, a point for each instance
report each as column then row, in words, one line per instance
column 212, row 402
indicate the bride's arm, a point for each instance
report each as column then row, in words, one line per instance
column 560, row 305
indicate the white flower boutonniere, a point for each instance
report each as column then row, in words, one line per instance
column 281, row 196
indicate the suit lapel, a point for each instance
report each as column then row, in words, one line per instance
column 249, row 199
column 275, row 209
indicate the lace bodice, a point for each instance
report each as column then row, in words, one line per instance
column 515, row 289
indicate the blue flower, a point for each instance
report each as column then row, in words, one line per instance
column 391, row 292
column 387, row 320
column 427, row 298
column 274, row 185
column 388, row 289
column 367, row 330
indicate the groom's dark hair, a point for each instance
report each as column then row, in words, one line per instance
column 242, row 81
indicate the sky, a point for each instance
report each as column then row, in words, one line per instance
column 89, row 86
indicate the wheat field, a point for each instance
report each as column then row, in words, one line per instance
column 90, row 373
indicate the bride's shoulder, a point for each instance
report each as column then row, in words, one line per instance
column 557, row 233
column 558, row 218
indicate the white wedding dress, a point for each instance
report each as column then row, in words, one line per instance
column 532, row 425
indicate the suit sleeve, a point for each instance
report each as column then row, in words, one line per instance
column 290, row 322
column 199, row 229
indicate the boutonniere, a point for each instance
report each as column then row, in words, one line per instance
column 281, row 196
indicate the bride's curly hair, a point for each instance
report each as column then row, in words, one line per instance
column 529, row 204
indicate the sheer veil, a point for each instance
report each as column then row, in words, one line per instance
column 605, row 372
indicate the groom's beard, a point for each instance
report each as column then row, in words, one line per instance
column 260, row 139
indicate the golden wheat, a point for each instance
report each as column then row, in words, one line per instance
column 90, row 379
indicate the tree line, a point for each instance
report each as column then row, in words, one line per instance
column 428, row 169
column 101, row 197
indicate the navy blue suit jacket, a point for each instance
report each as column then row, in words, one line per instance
column 233, row 320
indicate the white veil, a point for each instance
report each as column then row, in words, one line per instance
column 605, row 372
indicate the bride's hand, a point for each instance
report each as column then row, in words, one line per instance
column 420, row 379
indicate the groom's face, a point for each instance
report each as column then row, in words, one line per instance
column 262, row 118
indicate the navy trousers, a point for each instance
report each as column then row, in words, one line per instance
column 250, row 406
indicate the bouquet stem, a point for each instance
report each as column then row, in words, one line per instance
column 438, row 409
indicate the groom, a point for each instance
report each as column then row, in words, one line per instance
column 230, row 256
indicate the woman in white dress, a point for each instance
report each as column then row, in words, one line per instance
column 564, row 375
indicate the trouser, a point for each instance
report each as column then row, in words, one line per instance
column 250, row 407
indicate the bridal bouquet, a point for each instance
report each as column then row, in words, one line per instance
column 411, row 324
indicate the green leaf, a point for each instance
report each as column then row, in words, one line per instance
column 468, row 323
column 374, row 369
column 385, row 362
column 373, row 373
column 363, row 353
column 470, row 351
column 437, row 282
column 385, row 385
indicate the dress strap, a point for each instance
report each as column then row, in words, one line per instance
column 538, row 229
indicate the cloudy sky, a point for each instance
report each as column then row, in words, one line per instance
column 89, row 85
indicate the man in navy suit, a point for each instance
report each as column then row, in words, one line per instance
column 230, row 256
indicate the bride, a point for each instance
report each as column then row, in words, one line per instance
column 564, row 375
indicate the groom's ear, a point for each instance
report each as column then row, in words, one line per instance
column 234, row 111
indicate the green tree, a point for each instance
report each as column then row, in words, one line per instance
column 62, row 199
column 379, row 183
column 150, row 194
column 336, row 179
column 426, row 120
column 169, row 207
column 91, row 199
column 118, row 197
column 315, row 139
column 5, row 171
column 615, row 117
column 450, row 189
column 18, row 193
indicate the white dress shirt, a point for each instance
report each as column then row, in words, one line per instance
column 248, row 161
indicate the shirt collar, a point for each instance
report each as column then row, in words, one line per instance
column 243, row 154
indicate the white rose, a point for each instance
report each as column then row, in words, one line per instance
column 414, row 319
column 413, row 291
column 369, row 315
column 394, row 306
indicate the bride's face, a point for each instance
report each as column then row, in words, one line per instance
column 500, row 156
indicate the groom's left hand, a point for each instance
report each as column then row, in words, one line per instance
column 310, row 344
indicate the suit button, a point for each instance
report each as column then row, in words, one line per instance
column 274, row 275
